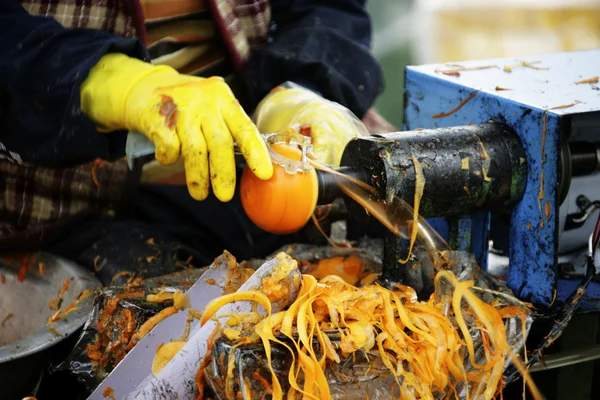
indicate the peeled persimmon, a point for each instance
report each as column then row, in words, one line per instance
column 283, row 204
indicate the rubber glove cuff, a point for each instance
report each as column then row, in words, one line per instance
column 105, row 90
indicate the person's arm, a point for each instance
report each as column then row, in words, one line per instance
column 323, row 45
column 42, row 67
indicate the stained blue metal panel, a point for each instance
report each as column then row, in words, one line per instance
column 465, row 227
column 533, row 93
column 591, row 300
column 440, row 225
column 551, row 86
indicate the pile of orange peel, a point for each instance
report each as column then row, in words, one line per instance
column 428, row 346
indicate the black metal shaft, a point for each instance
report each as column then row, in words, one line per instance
column 585, row 158
column 328, row 187
column 466, row 168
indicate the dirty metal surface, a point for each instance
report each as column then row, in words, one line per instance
column 535, row 104
column 454, row 161
column 25, row 306
column 27, row 337
column 553, row 84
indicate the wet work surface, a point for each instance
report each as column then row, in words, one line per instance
column 341, row 334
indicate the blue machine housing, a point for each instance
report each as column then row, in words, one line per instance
column 545, row 105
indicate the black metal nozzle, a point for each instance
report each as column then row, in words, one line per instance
column 466, row 169
column 329, row 189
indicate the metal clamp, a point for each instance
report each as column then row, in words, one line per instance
column 586, row 207
column 291, row 138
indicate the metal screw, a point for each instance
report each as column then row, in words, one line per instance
column 582, row 201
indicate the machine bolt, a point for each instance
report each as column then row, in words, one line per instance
column 582, row 201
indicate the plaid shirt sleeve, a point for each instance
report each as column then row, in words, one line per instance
column 42, row 65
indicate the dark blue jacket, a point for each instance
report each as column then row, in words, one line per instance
column 321, row 44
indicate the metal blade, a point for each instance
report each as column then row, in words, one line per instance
column 177, row 380
column 137, row 364
column 133, row 378
column 138, row 147
column 140, row 158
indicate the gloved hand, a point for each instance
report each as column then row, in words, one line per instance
column 182, row 115
column 332, row 126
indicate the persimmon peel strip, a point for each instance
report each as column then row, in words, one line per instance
column 426, row 346
column 419, row 188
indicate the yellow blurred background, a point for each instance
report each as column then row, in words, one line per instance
column 431, row 31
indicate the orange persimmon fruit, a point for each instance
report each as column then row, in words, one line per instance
column 283, row 204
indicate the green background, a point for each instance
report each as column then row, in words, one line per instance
column 393, row 50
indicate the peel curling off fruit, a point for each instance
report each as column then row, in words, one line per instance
column 283, row 204
column 426, row 346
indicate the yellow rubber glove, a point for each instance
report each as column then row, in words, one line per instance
column 332, row 126
column 182, row 115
